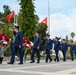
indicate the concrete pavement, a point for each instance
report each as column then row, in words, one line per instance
column 53, row 68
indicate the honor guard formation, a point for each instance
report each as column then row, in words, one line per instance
column 20, row 44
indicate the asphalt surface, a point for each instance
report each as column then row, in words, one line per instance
column 53, row 68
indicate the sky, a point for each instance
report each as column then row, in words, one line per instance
column 62, row 14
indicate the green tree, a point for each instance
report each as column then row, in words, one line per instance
column 7, row 10
column 8, row 29
column 27, row 23
column 67, row 38
column 72, row 35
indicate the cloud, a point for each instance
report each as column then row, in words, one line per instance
column 63, row 24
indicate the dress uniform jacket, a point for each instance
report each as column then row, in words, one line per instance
column 56, row 45
column 48, row 44
column 18, row 39
column 37, row 41
column 64, row 46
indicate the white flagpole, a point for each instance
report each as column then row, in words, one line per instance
column 16, row 14
column 14, row 17
column 49, row 17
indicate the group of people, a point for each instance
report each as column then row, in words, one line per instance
column 17, row 45
column 49, row 44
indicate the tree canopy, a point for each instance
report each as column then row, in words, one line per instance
column 28, row 18
column 8, row 27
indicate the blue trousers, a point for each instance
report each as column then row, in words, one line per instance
column 72, row 55
column 13, row 53
column 64, row 55
column 33, row 53
column 48, row 55
column 56, row 57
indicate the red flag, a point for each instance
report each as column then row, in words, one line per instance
column 44, row 21
column 10, row 16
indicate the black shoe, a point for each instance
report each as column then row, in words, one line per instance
column 38, row 62
column 72, row 59
column 20, row 63
column 0, row 62
column 32, row 61
column 50, row 61
column 55, row 60
column 10, row 63
column 64, row 60
column 46, row 61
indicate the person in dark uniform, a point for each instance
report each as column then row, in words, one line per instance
column 64, row 48
column 36, row 47
column 1, row 54
column 48, row 47
column 72, row 49
column 75, row 48
column 56, row 48
column 17, row 45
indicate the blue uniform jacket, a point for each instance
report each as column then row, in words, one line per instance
column 18, row 39
column 56, row 45
column 75, row 48
column 64, row 46
column 48, row 44
column 72, row 47
column 37, row 41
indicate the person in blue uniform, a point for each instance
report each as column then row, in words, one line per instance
column 36, row 47
column 48, row 47
column 64, row 48
column 56, row 48
column 17, row 45
column 72, row 50
column 75, row 49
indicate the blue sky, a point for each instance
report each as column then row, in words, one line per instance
column 62, row 14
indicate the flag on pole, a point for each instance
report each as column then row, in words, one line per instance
column 10, row 16
column 44, row 21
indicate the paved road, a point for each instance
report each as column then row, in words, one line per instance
column 53, row 68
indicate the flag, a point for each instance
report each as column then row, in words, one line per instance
column 10, row 16
column 44, row 21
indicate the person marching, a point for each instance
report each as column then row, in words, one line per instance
column 1, row 54
column 64, row 48
column 36, row 47
column 17, row 45
column 56, row 48
column 72, row 49
column 48, row 47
